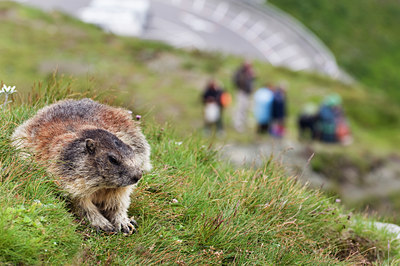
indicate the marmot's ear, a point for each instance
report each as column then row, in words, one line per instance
column 90, row 146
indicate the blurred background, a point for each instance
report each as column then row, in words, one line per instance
column 334, row 65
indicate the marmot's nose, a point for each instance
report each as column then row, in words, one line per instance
column 137, row 177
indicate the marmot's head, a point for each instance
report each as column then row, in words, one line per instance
column 104, row 160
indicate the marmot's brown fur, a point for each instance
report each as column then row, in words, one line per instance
column 96, row 152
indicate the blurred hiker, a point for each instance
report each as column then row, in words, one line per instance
column 326, row 121
column 342, row 128
column 243, row 80
column 213, row 102
column 307, row 122
column 332, row 122
column 278, row 112
column 263, row 99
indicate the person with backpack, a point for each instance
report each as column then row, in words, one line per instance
column 263, row 99
column 278, row 112
column 213, row 103
column 333, row 125
column 243, row 80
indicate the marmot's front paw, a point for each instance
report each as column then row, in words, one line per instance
column 106, row 227
column 129, row 226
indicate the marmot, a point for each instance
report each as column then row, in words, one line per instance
column 96, row 152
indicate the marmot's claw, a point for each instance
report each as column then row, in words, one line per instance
column 132, row 228
column 133, row 222
column 129, row 229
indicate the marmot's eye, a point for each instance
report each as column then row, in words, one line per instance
column 113, row 160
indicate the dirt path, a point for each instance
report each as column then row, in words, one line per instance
column 380, row 182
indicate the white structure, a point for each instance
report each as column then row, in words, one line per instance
column 122, row 17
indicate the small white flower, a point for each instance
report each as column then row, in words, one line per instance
column 8, row 89
column 338, row 200
column 175, row 201
column 178, row 143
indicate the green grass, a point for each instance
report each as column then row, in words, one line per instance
column 363, row 35
column 192, row 209
column 164, row 84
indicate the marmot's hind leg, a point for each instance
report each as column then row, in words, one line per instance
column 19, row 141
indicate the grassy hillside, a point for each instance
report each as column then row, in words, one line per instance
column 163, row 83
column 191, row 209
column 363, row 35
